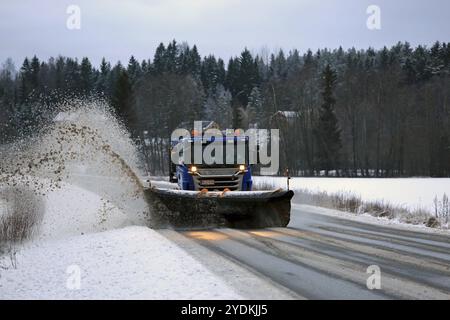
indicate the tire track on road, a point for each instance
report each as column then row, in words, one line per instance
column 396, row 268
column 283, row 267
column 394, row 284
column 280, row 244
column 367, row 248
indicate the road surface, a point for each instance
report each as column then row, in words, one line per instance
column 320, row 257
column 325, row 257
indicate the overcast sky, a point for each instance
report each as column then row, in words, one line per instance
column 118, row 29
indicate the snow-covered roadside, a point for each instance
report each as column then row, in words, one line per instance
column 413, row 193
column 402, row 201
column 71, row 210
column 368, row 219
column 128, row 263
column 2, row 207
column 114, row 254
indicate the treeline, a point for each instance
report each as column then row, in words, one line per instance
column 345, row 112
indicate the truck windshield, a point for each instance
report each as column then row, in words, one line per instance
column 233, row 152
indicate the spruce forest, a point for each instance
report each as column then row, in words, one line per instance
column 370, row 113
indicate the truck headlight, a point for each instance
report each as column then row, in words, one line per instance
column 242, row 167
column 193, row 169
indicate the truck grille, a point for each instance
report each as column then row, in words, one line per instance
column 218, row 179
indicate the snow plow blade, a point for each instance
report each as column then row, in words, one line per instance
column 235, row 209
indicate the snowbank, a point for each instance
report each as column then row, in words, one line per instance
column 71, row 210
column 365, row 218
column 129, row 263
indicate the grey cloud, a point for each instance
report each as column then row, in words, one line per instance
column 118, row 29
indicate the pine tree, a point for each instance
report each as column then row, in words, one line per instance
column 384, row 58
column 422, row 64
column 121, row 99
column 308, row 58
column 278, row 66
column 101, row 83
column 86, row 76
column 195, row 62
column 7, row 84
column 254, row 107
column 436, row 57
column 223, row 101
column 159, row 60
column 293, row 63
column 134, row 70
column 72, row 76
column 221, row 72
column 446, row 56
column 231, row 80
column 35, row 68
column 248, row 76
column 25, row 80
column 59, row 73
column 327, row 131
column 171, row 58
column 145, row 66
column 209, row 74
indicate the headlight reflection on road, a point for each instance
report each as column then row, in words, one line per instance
column 207, row 235
column 265, row 234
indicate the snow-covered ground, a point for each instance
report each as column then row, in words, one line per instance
column 127, row 263
column 71, row 210
column 88, row 248
column 412, row 193
column 367, row 219
column 2, row 207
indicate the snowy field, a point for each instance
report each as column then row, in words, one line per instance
column 88, row 249
column 412, row 193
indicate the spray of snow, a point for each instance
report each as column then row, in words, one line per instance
column 85, row 148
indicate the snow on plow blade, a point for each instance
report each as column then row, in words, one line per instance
column 236, row 209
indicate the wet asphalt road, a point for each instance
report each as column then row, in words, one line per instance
column 326, row 257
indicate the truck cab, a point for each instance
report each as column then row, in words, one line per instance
column 232, row 173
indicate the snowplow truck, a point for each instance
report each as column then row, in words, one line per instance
column 218, row 194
